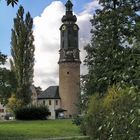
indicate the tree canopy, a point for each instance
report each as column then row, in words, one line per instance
column 6, row 81
column 115, row 116
column 112, row 54
column 22, row 50
column 12, row 2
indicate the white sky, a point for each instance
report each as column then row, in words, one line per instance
column 47, row 41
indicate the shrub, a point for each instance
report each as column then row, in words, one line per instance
column 77, row 120
column 13, row 103
column 32, row 113
column 115, row 116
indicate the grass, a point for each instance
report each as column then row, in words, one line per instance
column 21, row 130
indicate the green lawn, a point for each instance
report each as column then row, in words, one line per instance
column 37, row 129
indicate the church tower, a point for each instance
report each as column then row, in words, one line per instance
column 69, row 63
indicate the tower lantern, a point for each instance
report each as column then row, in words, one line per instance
column 69, row 62
column 69, row 6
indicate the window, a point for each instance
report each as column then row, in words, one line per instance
column 56, row 102
column 1, row 110
column 50, row 102
column 43, row 102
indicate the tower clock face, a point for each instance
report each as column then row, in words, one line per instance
column 75, row 27
column 63, row 27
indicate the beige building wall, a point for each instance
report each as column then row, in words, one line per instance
column 52, row 106
column 69, row 87
column 2, row 111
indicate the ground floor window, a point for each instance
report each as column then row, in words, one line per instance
column 1, row 110
column 56, row 102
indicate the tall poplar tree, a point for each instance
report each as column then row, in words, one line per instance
column 110, row 58
column 22, row 50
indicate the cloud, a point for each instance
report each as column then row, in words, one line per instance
column 47, row 41
column 92, row 6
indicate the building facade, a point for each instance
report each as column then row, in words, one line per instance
column 50, row 98
column 2, row 111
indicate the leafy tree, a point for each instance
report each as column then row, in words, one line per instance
column 2, row 77
column 12, row 2
column 115, row 116
column 13, row 103
column 38, row 90
column 113, row 59
column 7, row 81
column 115, row 35
column 22, row 50
column 5, row 85
column 2, row 58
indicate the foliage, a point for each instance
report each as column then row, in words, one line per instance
column 12, row 2
column 22, row 50
column 80, row 121
column 6, row 81
column 32, row 113
column 77, row 120
column 113, row 59
column 38, row 129
column 5, row 86
column 3, row 73
column 115, row 39
column 115, row 116
column 2, row 58
column 13, row 103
